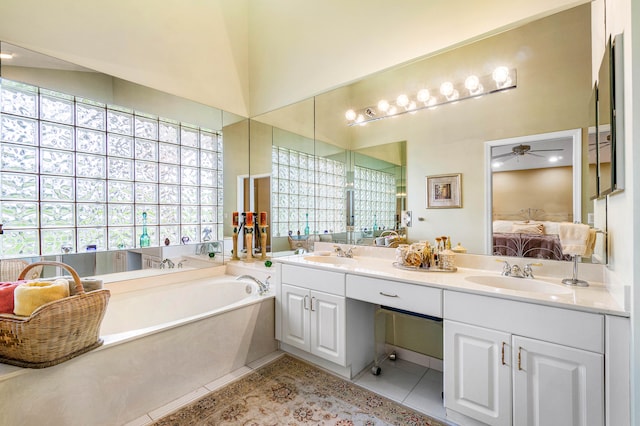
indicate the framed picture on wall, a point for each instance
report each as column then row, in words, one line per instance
column 444, row 191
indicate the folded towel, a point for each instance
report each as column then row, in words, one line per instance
column 574, row 238
column 31, row 295
column 6, row 296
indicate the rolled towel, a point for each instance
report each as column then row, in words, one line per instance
column 6, row 296
column 31, row 295
column 574, row 238
column 89, row 284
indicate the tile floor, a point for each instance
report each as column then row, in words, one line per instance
column 410, row 384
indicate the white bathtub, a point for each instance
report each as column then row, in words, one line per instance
column 160, row 342
column 135, row 313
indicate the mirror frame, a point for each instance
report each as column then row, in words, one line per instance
column 575, row 135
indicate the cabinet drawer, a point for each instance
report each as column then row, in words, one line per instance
column 410, row 297
column 578, row 329
column 314, row 279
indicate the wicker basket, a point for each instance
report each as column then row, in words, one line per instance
column 56, row 331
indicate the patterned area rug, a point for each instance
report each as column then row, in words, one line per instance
column 291, row 392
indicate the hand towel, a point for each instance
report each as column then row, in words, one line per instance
column 6, row 296
column 31, row 295
column 591, row 242
column 574, row 238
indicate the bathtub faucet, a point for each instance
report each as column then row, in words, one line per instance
column 263, row 287
column 167, row 262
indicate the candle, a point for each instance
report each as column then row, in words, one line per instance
column 249, row 220
column 235, row 218
column 263, row 219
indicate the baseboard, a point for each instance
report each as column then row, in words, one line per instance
column 415, row 357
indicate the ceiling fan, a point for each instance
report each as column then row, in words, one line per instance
column 522, row 150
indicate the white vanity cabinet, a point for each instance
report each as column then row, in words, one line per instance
column 477, row 371
column 314, row 321
column 516, row 363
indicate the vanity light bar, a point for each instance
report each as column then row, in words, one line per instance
column 502, row 78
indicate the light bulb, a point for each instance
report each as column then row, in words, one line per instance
column 392, row 110
column 383, row 105
column 446, row 89
column 423, row 95
column 350, row 115
column 412, row 107
column 472, row 83
column 501, row 76
column 402, row 101
column 359, row 118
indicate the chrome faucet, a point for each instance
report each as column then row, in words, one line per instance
column 342, row 253
column 263, row 287
column 518, row 272
column 167, row 262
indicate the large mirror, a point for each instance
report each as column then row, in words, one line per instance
column 551, row 58
column 551, row 95
column 154, row 168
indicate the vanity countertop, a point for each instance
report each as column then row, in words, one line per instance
column 596, row 298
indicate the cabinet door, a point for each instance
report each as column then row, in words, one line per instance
column 328, row 326
column 477, row 373
column 295, row 316
column 556, row 385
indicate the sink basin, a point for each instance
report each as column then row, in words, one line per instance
column 331, row 260
column 518, row 284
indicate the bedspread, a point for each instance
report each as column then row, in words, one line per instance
column 546, row 246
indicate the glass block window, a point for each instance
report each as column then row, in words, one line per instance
column 297, row 180
column 77, row 173
column 374, row 199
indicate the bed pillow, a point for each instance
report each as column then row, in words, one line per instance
column 502, row 225
column 528, row 228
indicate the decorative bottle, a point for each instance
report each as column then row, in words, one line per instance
column 145, row 241
column 306, row 226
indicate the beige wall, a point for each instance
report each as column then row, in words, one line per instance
column 195, row 49
column 550, row 190
column 302, row 48
column 214, row 51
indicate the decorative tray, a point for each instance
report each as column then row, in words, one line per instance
column 421, row 269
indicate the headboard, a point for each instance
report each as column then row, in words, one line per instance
column 534, row 214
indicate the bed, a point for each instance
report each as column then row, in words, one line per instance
column 529, row 233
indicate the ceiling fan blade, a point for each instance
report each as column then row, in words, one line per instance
column 535, row 155
column 545, row 150
column 504, row 155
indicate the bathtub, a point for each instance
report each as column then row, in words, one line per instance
column 161, row 341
